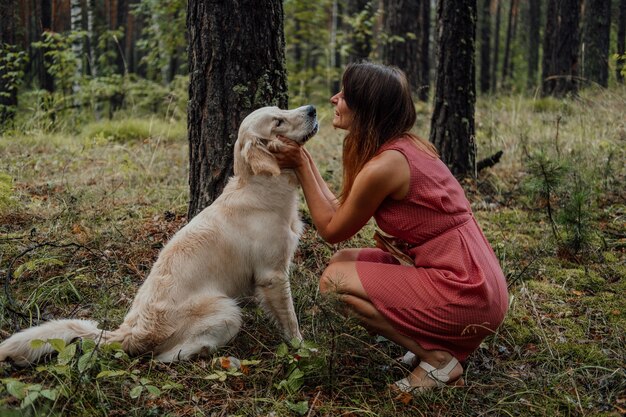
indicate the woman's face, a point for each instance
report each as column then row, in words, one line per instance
column 343, row 115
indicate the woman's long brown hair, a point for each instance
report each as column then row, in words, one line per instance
column 380, row 99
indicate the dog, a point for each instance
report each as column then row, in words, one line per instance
column 241, row 245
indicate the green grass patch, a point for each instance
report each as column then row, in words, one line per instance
column 135, row 129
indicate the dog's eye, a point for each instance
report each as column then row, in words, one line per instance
column 279, row 122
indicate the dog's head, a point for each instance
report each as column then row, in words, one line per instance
column 259, row 132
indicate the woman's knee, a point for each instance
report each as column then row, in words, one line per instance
column 345, row 255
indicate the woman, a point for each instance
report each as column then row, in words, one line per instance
column 453, row 294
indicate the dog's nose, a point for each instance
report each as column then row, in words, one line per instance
column 310, row 111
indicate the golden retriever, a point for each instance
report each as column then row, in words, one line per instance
column 240, row 245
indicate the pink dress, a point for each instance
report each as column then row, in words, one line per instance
column 456, row 293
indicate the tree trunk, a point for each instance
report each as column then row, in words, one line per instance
column 485, row 47
column 621, row 41
column 534, row 22
column 360, row 37
column 595, row 41
column 506, row 66
column 424, row 51
column 76, row 19
column 91, row 37
column 452, row 124
column 8, row 41
column 560, row 50
column 236, row 65
column 496, row 48
column 122, row 22
column 46, row 81
column 401, row 25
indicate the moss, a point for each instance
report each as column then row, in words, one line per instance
column 576, row 352
column 577, row 279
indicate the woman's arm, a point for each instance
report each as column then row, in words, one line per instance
column 320, row 181
column 386, row 174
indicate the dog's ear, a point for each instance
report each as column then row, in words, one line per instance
column 259, row 158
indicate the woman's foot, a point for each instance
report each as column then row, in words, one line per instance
column 426, row 376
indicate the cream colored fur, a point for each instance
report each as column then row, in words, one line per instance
column 240, row 245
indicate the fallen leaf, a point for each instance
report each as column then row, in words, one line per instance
column 404, row 397
column 225, row 362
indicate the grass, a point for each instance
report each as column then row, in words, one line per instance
column 83, row 215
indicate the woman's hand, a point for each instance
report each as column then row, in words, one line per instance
column 289, row 154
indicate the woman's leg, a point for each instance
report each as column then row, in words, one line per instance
column 341, row 277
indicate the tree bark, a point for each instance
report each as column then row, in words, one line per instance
column 485, row 47
column 595, row 41
column 46, row 81
column 560, row 50
column 534, row 23
column 236, row 64
column 424, row 52
column 452, row 124
column 402, row 49
column 76, row 20
column 496, row 48
column 621, row 41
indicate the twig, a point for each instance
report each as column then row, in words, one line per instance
column 489, row 161
column 313, row 403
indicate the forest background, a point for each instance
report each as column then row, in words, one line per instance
column 94, row 178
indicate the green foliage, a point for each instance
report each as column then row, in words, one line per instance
column 307, row 49
column 301, row 359
column 61, row 61
column 620, row 61
column 12, row 63
column 7, row 199
column 163, row 37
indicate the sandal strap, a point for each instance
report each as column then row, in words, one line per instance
column 439, row 375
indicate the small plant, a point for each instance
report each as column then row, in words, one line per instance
column 546, row 175
column 301, row 359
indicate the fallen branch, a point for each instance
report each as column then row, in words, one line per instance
column 489, row 161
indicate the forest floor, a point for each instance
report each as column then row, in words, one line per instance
column 84, row 214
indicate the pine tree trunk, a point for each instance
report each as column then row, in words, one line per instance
column 485, row 47
column 560, row 50
column 236, row 65
column 496, row 48
column 360, row 39
column 534, row 22
column 595, row 41
column 91, row 38
column 46, row 81
column 424, row 51
column 402, row 49
column 122, row 22
column 8, row 41
column 621, row 41
column 76, row 19
column 507, row 43
column 452, row 124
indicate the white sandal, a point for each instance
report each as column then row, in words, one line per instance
column 409, row 359
column 440, row 375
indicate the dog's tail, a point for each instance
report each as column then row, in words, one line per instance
column 20, row 349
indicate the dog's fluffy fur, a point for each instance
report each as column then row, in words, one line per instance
column 240, row 245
